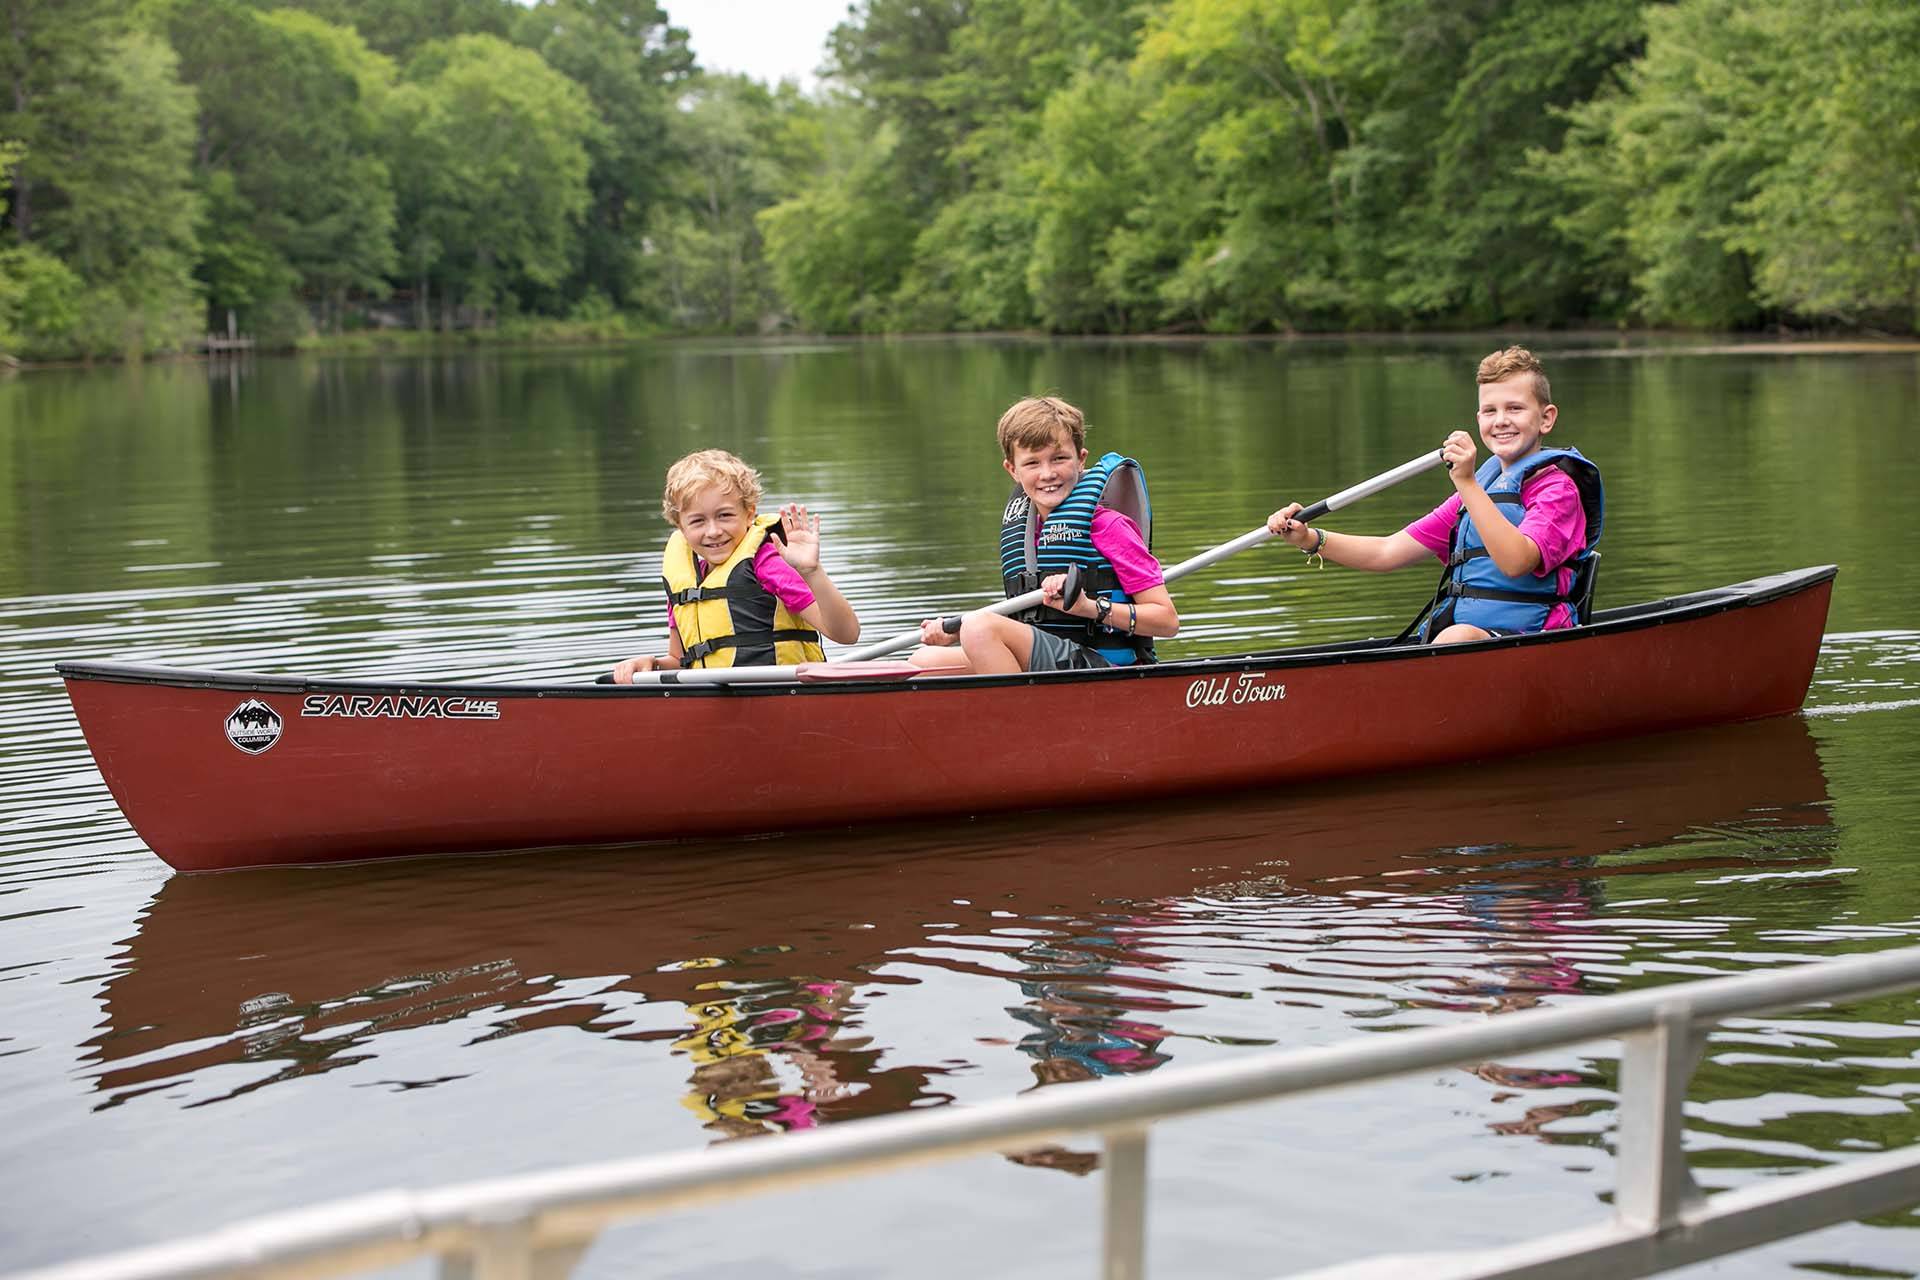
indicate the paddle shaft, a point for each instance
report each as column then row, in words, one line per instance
column 1015, row 604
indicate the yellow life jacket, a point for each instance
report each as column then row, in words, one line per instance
column 727, row 619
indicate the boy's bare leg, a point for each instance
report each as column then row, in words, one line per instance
column 1461, row 633
column 995, row 644
column 947, row 662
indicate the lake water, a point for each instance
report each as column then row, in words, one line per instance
column 178, row 1052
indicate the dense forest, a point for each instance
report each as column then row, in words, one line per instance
column 565, row 168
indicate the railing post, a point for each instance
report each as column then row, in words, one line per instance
column 505, row 1251
column 1124, row 1254
column 1653, row 1183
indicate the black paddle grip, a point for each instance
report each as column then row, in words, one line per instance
column 1307, row 515
column 951, row 624
column 1071, row 590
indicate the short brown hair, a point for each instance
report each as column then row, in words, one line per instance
column 1032, row 423
column 705, row 469
column 1502, row 365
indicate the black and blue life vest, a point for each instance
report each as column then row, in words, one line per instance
column 1031, row 551
column 1472, row 588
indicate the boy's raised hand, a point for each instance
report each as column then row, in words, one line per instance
column 1458, row 450
column 801, row 547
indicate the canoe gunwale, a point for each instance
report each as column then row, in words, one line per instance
column 1673, row 609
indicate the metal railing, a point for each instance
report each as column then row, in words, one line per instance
column 536, row 1226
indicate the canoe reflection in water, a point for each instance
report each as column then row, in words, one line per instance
column 737, row 1089
column 756, row 963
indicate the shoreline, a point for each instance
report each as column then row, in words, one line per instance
column 1605, row 343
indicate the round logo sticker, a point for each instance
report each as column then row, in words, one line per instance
column 253, row 726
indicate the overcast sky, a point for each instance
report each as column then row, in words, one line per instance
column 767, row 39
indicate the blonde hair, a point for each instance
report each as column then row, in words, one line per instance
column 706, row 469
column 1032, row 423
column 1502, row 365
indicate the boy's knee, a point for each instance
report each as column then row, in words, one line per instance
column 1461, row 633
column 984, row 628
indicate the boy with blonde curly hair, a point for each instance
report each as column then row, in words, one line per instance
column 742, row 589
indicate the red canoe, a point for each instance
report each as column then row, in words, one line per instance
column 218, row 770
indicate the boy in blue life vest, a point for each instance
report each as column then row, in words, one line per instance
column 1064, row 514
column 743, row 589
column 1516, row 536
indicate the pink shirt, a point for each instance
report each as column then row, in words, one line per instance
column 775, row 574
column 1551, row 515
column 1118, row 538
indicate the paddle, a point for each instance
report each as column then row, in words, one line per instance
column 907, row 639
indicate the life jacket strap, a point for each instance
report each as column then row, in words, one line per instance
column 706, row 648
column 1454, row 590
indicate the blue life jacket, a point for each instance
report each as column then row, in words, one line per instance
column 1064, row 539
column 1472, row 588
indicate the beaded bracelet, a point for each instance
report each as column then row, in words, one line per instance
column 1319, row 544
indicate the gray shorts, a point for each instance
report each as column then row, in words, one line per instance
column 1055, row 653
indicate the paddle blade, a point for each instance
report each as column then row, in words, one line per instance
column 826, row 672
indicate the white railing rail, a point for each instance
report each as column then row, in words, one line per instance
column 536, row 1226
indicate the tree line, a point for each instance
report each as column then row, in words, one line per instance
column 1076, row 166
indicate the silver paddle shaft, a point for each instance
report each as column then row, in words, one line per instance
column 1367, row 488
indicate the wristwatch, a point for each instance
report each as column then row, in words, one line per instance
column 1101, row 608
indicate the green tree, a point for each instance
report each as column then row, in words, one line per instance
column 490, row 148
column 1481, row 239
column 631, row 64
column 49, row 58
column 1261, row 101
column 714, row 270
column 971, row 264
column 398, row 28
column 1834, row 222
column 101, row 210
column 1089, row 177
column 124, row 214
column 840, row 245
column 1761, row 156
column 242, row 270
column 38, row 295
column 1660, row 166
column 885, row 166
column 889, row 56
column 298, row 196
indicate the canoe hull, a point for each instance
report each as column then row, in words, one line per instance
column 355, row 770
